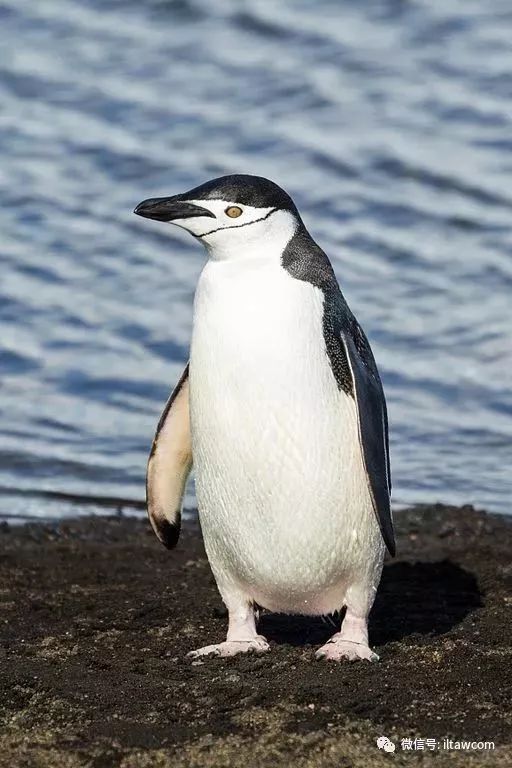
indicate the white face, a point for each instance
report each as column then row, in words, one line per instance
column 240, row 231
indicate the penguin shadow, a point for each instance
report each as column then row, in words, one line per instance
column 428, row 598
column 425, row 599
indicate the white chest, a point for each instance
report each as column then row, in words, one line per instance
column 279, row 475
column 260, row 377
column 260, row 330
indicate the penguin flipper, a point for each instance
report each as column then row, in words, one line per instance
column 373, row 426
column 169, row 465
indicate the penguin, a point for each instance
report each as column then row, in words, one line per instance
column 281, row 411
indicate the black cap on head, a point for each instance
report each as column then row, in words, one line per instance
column 245, row 190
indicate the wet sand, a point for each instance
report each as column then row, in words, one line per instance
column 96, row 618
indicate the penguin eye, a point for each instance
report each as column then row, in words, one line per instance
column 233, row 211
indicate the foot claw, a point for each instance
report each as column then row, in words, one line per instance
column 338, row 649
column 231, row 648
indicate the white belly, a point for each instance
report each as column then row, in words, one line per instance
column 281, row 488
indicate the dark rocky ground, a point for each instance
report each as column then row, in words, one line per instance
column 96, row 618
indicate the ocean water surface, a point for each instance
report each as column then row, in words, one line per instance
column 389, row 123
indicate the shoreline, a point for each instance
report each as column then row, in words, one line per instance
column 96, row 618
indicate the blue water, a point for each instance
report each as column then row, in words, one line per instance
column 390, row 124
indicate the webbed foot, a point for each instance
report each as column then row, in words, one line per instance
column 229, row 648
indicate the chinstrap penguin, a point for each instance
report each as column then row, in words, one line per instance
column 282, row 411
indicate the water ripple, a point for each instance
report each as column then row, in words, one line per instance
column 389, row 123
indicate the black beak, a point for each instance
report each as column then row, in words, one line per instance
column 170, row 208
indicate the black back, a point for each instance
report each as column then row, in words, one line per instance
column 306, row 261
column 354, row 368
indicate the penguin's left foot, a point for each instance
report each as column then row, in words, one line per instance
column 338, row 648
column 229, row 648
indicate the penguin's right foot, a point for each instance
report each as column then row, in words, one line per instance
column 337, row 649
column 229, row 648
column 351, row 643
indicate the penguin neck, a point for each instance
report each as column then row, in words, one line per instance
column 265, row 239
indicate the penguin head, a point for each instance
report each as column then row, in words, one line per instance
column 233, row 215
